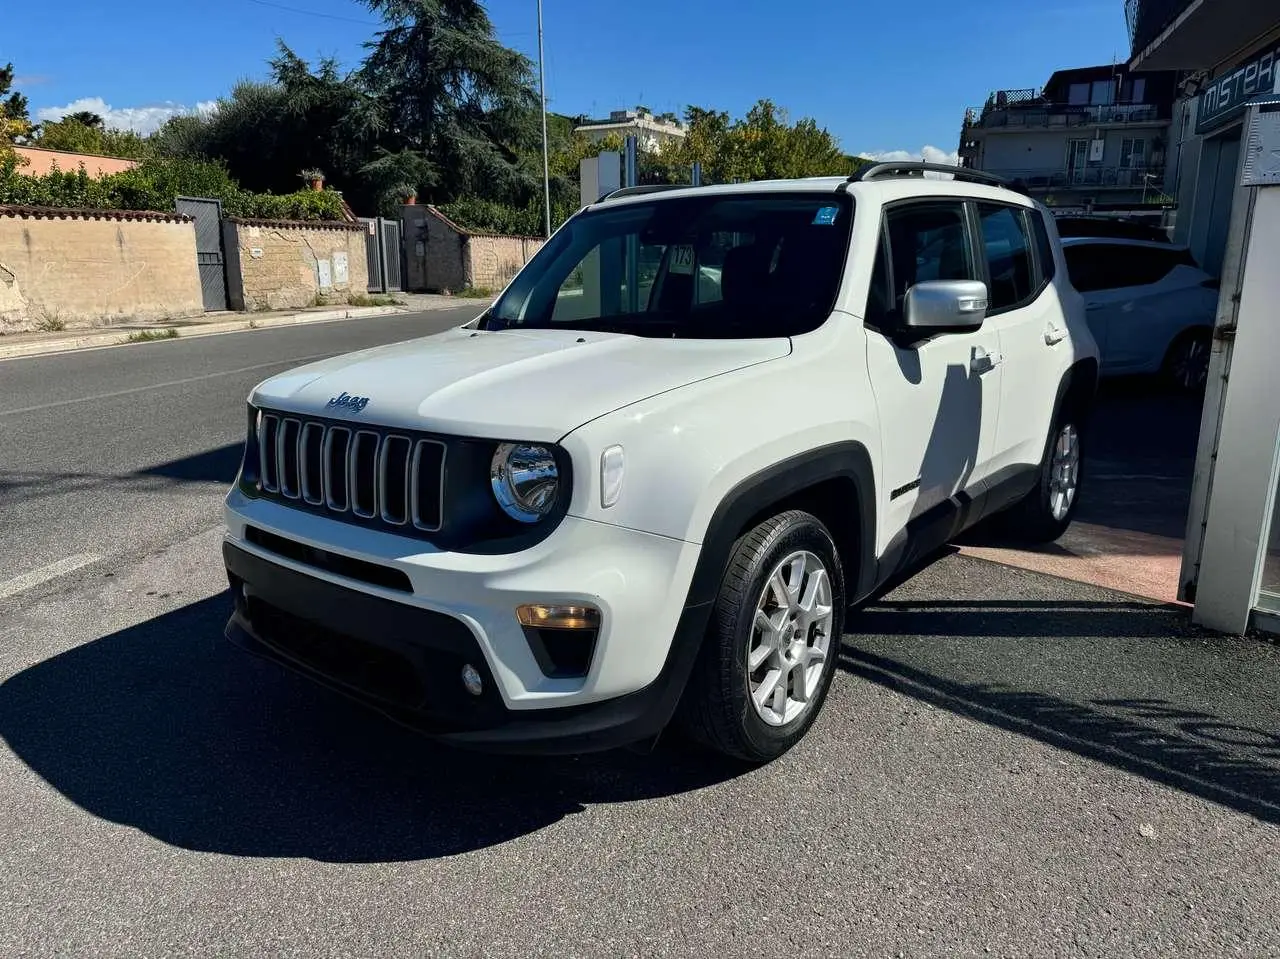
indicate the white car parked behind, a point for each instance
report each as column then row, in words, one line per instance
column 1149, row 306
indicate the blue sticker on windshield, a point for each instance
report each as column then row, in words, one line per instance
column 826, row 216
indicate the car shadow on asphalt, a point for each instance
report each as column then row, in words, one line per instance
column 1132, row 685
column 217, row 466
column 166, row 727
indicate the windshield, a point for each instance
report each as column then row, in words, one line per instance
column 744, row 265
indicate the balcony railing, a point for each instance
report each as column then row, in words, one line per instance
column 1089, row 177
column 1052, row 115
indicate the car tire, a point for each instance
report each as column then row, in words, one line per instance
column 1186, row 364
column 1044, row 514
column 770, row 652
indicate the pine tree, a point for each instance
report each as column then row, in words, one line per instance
column 461, row 106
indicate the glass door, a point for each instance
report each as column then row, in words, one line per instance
column 1077, row 160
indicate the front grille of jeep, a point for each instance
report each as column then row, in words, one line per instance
column 359, row 473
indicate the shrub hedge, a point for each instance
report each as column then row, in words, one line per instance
column 154, row 184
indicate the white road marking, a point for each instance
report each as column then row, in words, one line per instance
column 160, row 386
column 42, row 575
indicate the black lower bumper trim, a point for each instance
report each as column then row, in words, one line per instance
column 406, row 662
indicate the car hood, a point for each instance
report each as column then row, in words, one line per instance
column 532, row 385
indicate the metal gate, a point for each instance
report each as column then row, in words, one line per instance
column 391, row 253
column 209, row 258
column 382, row 254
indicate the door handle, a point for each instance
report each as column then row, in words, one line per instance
column 983, row 362
column 1094, row 307
column 1054, row 334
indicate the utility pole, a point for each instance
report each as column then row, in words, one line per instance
column 546, row 161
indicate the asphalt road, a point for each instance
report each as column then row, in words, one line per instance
column 1008, row 765
column 116, row 452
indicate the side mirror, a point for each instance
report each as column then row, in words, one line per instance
column 938, row 306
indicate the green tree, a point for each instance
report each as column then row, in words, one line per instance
column 15, row 123
column 266, row 133
column 87, row 118
column 762, row 145
column 460, row 109
column 73, row 135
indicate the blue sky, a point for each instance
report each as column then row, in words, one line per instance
column 893, row 76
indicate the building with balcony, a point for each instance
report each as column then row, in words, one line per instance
column 651, row 132
column 1227, row 133
column 1093, row 138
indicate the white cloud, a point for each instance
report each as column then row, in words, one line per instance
column 143, row 120
column 928, row 153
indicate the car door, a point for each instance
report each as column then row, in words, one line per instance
column 1024, row 311
column 1114, row 280
column 938, row 399
column 1160, row 295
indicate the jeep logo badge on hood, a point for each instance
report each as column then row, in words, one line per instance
column 348, row 402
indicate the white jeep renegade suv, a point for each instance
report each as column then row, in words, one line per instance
column 647, row 482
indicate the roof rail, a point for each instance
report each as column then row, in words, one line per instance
column 908, row 167
column 645, row 188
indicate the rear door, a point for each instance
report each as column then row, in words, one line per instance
column 1138, row 299
column 1027, row 315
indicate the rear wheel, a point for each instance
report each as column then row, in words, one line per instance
column 1045, row 512
column 1186, row 367
column 767, row 662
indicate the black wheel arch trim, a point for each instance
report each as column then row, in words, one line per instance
column 750, row 498
column 775, row 485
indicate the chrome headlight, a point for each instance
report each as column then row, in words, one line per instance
column 525, row 480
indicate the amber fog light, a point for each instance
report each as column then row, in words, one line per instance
column 559, row 617
column 562, row 638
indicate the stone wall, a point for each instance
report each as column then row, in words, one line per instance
column 443, row 257
column 85, row 268
column 284, row 264
column 493, row 260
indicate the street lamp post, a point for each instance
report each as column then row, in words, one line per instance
column 546, row 162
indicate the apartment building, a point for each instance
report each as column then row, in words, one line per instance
column 1090, row 138
column 651, row 132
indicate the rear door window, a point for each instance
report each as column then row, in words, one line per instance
column 1008, row 252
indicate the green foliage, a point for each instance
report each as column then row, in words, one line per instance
column 74, row 135
column 299, row 205
column 762, row 145
column 303, row 118
column 14, row 120
column 455, row 96
column 363, row 299
column 486, row 216
column 148, row 336
column 154, row 185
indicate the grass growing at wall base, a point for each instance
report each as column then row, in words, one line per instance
column 361, row 299
column 146, row 336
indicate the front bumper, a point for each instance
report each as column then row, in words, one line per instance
column 406, row 662
column 400, row 646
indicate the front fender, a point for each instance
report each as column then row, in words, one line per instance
column 773, row 428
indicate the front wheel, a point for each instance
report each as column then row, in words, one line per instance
column 768, row 659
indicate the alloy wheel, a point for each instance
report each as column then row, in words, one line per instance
column 790, row 639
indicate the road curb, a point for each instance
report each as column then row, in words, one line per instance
column 101, row 339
